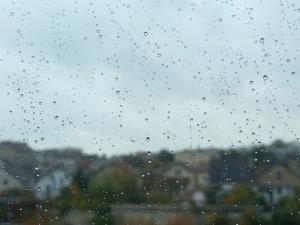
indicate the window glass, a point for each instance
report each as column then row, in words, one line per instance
column 149, row 112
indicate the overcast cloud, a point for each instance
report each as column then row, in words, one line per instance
column 105, row 75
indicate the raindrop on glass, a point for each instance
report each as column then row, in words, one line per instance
column 265, row 77
column 262, row 40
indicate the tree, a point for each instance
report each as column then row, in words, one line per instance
column 211, row 194
column 218, row 219
column 102, row 216
column 250, row 217
column 263, row 156
column 241, row 194
column 165, row 156
column 81, row 180
column 71, row 197
column 115, row 185
column 279, row 144
column 287, row 212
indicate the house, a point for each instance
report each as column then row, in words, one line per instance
column 9, row 182
column 277, row 182
column 231, row 167
column 51, row 185
column 196, row 158
column 190, row 182
column 193, row 176
column 196, row 196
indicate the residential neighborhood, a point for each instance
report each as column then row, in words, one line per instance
column 160, row 187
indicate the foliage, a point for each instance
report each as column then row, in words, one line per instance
column 158, row 197
column 102, row 216
column 250, row 217
column 241, row 194
column 287, row 212
column 165, row 156
column 115, row 186
column 211, row 194
column 218, row 219
column 81, row 180
column 72, row 197
column 263, row 156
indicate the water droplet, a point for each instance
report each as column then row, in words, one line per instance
column 265, row 77
column 262, row 40
column 147, row 139
column 251, row 82
column 145, row 33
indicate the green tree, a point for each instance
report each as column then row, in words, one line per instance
column 279, row 144
column 218, row 219
column 242, row 194
column 287, row 212
column 165, row 156
column 211, row 194
column 81, row 180
column 102, row 216
column 250, row 217
column 115, row 185
column 71, row 198
column 263, row 156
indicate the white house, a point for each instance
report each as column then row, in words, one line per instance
column 9, row 182
column 51, row 185
column 278, row 182
column 194, row 177
column 190, row 181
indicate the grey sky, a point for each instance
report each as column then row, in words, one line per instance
column 105, row 75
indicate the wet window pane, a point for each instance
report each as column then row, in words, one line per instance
column 149, row 112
